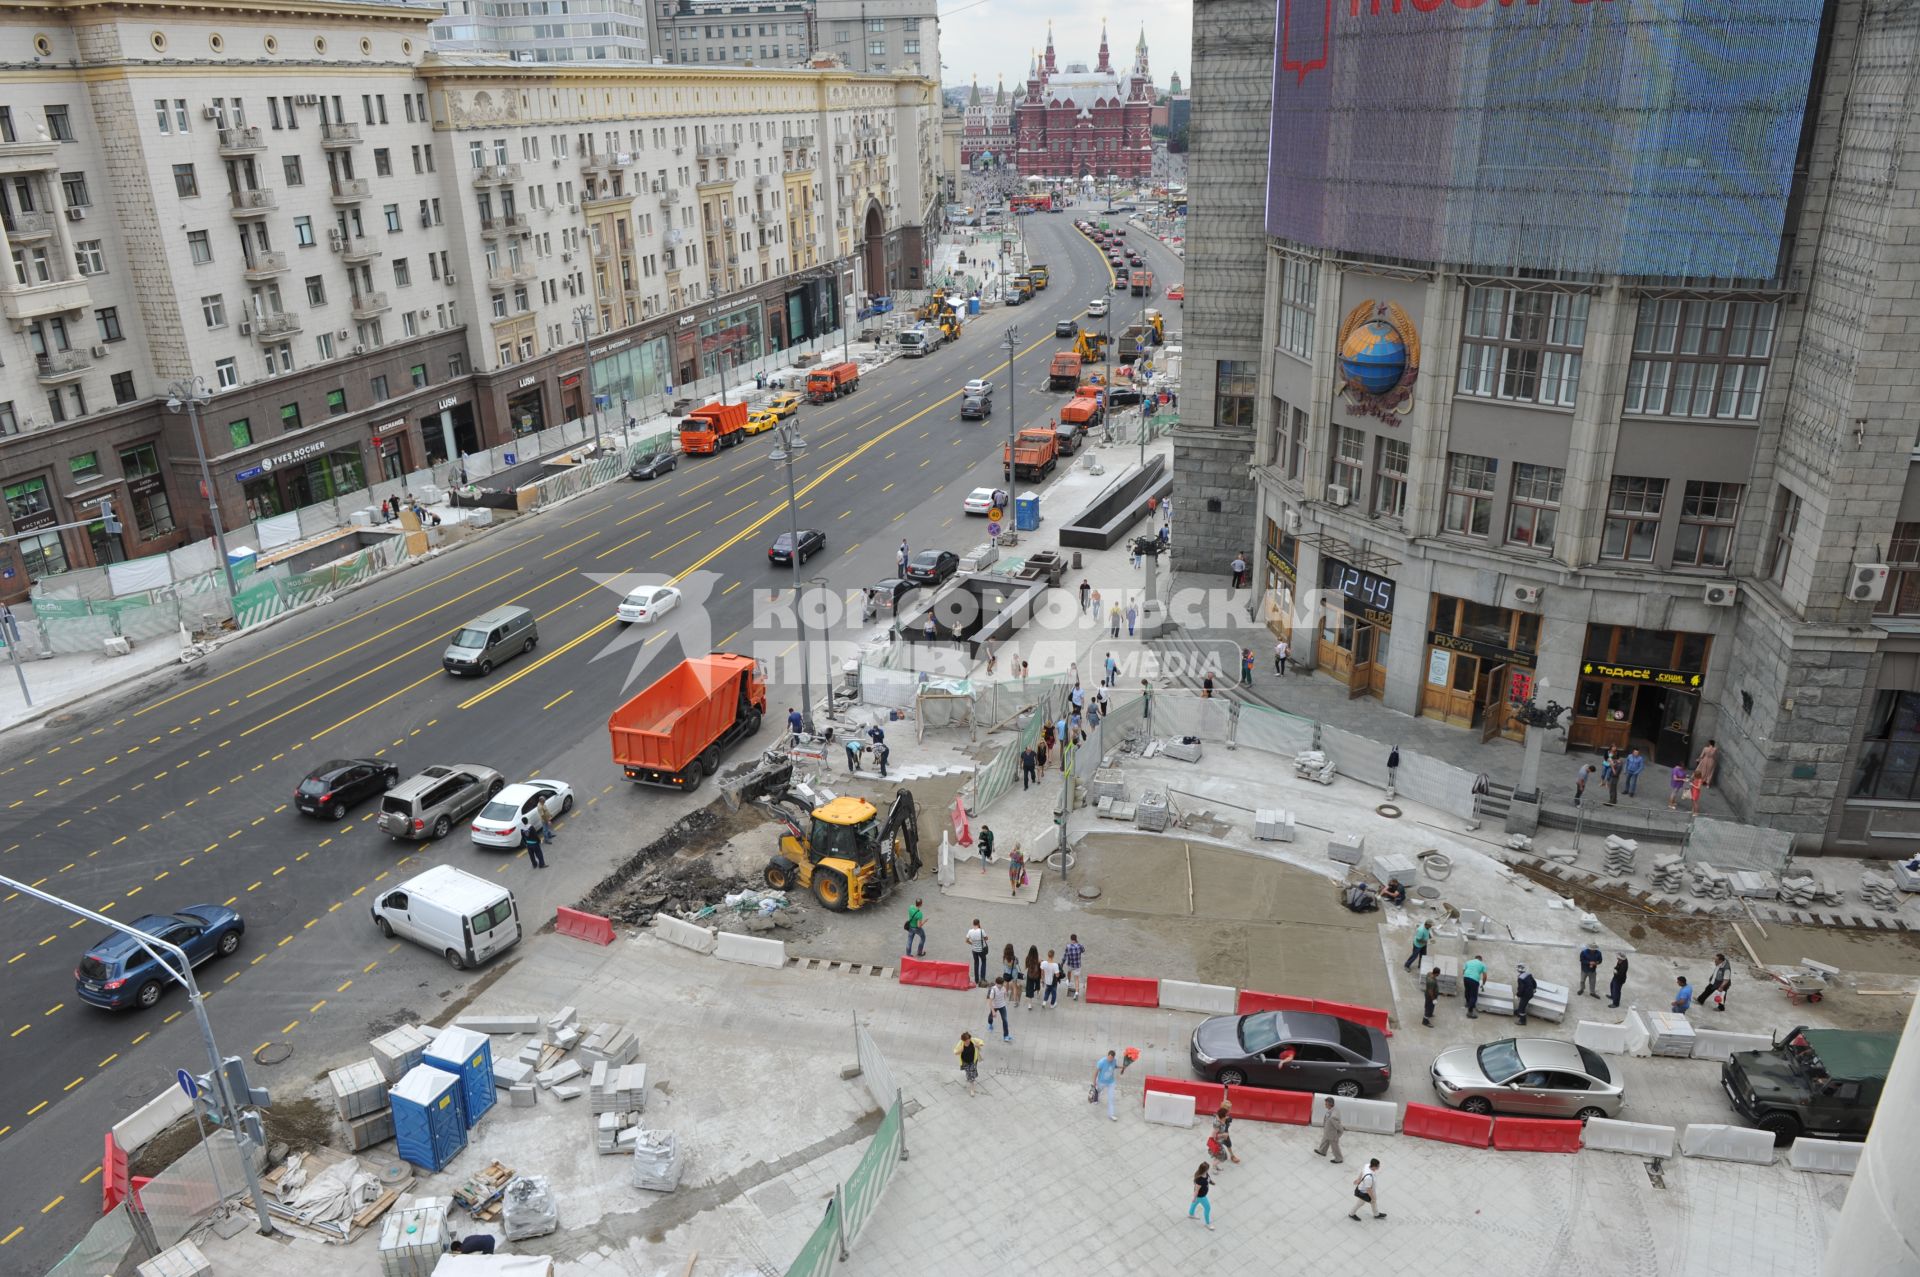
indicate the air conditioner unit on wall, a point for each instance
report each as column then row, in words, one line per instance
column 1720, row 595
column 1292, row 519
column 76, row 215
column 1526, row 593
column 1337, row 494
column 1867, row 583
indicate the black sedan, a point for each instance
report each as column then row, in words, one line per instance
column 1066, row 328
column 652, row 465
column 1294, row 1051
column 930, row 567
column 334, row 786
column 812, row 541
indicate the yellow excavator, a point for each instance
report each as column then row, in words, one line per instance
column 1089, row 344
column 844, row 851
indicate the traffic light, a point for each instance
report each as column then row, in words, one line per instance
column 106, row 516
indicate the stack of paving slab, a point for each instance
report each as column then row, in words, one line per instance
column 183, row 1260
column 515, row 1077
column 618, row 1090
column 1670, row 874
column 1669, row 1033
column 412, row 1239
column 1904, row 878
column 1618, row 858
column 360, row 1098
column 1150, row 813
column 1753, row 884
column 1709, row 883
column 528, row 1208
column 1388, row 866
column 1877, row 890
column 615, row 1132
column 1347, row 848
column 1113, row 809
column 613, row 1044
column 1186, row 749
column 1313, row 764
column 657, row 1161
column 1449, row 973
column 1273, row 824
column 397, row 1052
column 563, row 1030
column 1803, row 891
column 1549, row 1000
column 1496, row 998
column 1108, row 782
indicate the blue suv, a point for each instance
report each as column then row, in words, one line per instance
column 118, row 973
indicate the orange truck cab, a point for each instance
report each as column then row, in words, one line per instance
column 825, row 384
column 1064, row 372
column 708, row 429
column 1082, row 411
column 1034, row 450
column 672, row 733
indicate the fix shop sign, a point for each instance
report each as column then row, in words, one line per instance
column 268, row 464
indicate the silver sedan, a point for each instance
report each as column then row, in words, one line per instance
column 1528, row 1077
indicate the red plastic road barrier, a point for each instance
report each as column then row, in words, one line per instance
column 1450, row 1126
column 1251, row 1001
column 1257, row 1105
column 1372, row 1017
column 1536, row 1135
column 114, row 1184
column 937, row 975
column 1206, row 1095
column 590, row 927
column 1121, row 990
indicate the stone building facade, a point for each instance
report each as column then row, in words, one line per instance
column 1073, row 122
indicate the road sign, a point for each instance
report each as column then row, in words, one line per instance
column 995, row 513
column 509, row 459
column 187, row 1084
column 993, row 528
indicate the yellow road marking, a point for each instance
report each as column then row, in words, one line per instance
column 676, row 545
column 556, row 700
column 568, row 546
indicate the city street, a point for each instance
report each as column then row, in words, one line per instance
column 181, row 792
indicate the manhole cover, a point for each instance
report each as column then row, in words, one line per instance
column 60, row 721
column 273, row 1053
column 1427, row 893
column 1089, row 893
column 1388, row 810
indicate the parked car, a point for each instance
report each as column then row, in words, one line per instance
column 652, row 465
column 1292, row 1050
column 1096, row 308
column 1065, row 328
column 784, row 404
column 426, row 806
column 1528, row 1077
column 931, row 567
column 514, row 809
column 812, row 541
column 332, row 787
column 116, row 972
column 976, row 408
column 760, row 421
column 646, row 604
column 981, row 500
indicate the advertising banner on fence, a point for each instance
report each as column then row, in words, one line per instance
column 1636, row 137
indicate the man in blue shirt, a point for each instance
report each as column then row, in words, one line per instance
column 795, row 723
column 1590, row 959
column 1471, row 975
column 1683, row 1000
column 1106, row 1075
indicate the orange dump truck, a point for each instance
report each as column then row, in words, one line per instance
column 1064, row 372
column 824, row 384
column 1082, row 411
column 1034, row 450
column 672, row 733
column 708, row 429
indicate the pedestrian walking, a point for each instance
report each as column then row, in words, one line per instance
column 1718, row 982
column 1471, row 975
column 1028, row 767
column 1393, row 770
column 1166, row 510
column 1590, row 959
column 1580, row 779
column 1113, row 621
column 1050, row 981
column 1676, row 781
column 1223, row 1131
column 985, row 843
column 1280, row 654
column 1618, row 982
column 1016, row 871
column 930, row 629
column 1331, row 1129
column 1166, row 536
column 1524, row 987
column 1635, row 764
column 1695, row 784
column 1206, row 687
column 530, row 839
column 795, row 723
column 1040, row 747
column 546, row 820
column 1422, row 935
column 1086, row 592
column 1106, row 1079
column 1072, row 956
column 1239, row 566
column 1367, row 1189
column 1133, row 615
column 1112, row 671
column 917, row 928
column 977, row 945
column 1683, row 995
column 1246, row 667
column 997, row 1005
column 1611, row 770
column 904, row 556
column 1146, row 699
column 1430, row 993
column 1032, row 990
column 1705, row 766
column 968, row 1051
column 1202, row 1181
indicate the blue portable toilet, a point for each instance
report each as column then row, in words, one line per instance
column 973, row 304
column 429, row 1116
column 1026, row 512
column 468, row 1056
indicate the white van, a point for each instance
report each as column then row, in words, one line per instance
column 463, row 918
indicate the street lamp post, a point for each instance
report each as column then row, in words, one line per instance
column 791, row 445
column 583, row 317
column 1013, row 415
column 191, row 394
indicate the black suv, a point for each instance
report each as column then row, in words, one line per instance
column 1820, row 1082
column 332, row 787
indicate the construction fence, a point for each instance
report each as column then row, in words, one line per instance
column 201, row 1182
column 856, row 1199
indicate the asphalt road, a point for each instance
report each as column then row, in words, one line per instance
column 179, row 791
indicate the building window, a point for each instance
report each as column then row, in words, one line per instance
column 316, row 290
column 1290, row 439
column 160, row 112
column 1889, row 765
column 226, row 374
column 152, row 511
column 336, row 402
column 402, row 273
column 1633, row 518
column 1786, row 520
column 84, row 467
column 379, row 388
column 185, row 184
column 1535, row 506
column 456, row 365
column 419, row 374
column 1299, row 296
column 200, row 247
column 290, row 168
column 1346, row 456
column 43, row 555
column 88, row 258
column 107, row 320
column 73, row 188
column 1233, row 388
column 1903, row 583
column 1390, row 477
column 123, row 391
column 1700, row 358
column 393, row 217
column 877, row 48
column 289, row 416
column 303, row 231
column 213, row 309
column 9, row 419
column 1470, row 480
column 382, row 162
column 59, row 127
column 1523, row 346
column 240, row 433
column 27, row 499
column 323, row 345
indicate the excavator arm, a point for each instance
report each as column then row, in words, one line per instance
column 900, row 836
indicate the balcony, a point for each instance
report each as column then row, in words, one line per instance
column 602, row 252
column 28, row 155
column 60, row 365
column 596, row 163
column 29, row 226
column 335, row 137
column 238, row 142
column 716, row 150
column 367, row 305
column 276, row 326
column 359, row 249
column 496, row 174
column 509, row 275
column 264, row 265
column 252, row 203
column 669, row 197
column 62, row 297
column 350, row 190
column 505, row 224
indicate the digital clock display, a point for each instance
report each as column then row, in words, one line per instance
column 1363, row 588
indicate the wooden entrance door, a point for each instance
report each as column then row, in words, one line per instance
column 1360, row 675
column 1493, row 702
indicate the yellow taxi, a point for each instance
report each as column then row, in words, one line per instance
column 760, row 421
column 784, row 404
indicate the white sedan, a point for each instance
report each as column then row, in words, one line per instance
column 978, row 388
column 1096, row 308
column 648, row 603
column 980, row 500
column 509, row 813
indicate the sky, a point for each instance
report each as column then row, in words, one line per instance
column 992, row 38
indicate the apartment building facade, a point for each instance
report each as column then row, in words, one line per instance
column 368, row 259
column 547, row 31
column 894, row 37
column 1669, row 483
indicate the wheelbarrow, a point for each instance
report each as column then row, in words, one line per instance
column 1799, row 986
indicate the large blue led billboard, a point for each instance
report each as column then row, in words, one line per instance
column 1635, row 137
